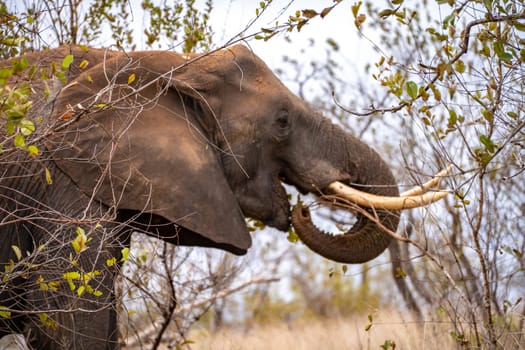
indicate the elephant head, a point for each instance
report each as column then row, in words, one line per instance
column 184, row 147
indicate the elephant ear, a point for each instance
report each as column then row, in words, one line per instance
column 138, row 142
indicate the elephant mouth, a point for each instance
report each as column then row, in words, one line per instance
column 377, row 218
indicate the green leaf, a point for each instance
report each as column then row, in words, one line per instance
column 453, row 117
column 20, row 65
column 61, row 76
column 10, row 41
column 66, row 62
column 10, row 128
column 488, row 115
column 487, row 142
column 449, row 20
column 388, row 344
column 519, row 26
column 412, row 89
column 27, row 127
column 460, row 66
column 498, row 47
column 20, row 141
column 5, row 73
column 505, row 57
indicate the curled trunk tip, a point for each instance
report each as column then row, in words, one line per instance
column 362, row 243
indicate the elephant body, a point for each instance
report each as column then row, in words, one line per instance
column 180, row 147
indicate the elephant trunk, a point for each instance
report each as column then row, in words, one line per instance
column 362, row 243
column 367, row 238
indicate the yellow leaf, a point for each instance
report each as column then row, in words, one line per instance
column 88, row 78
column 71, row 285
column 111, row 262
column 4, row 313
column 125, row 254
column 72, row 275
column 80, row 290
column 33, row 150
column 80, row 242
column 17, row 251
column 47, row 321
column 83, row 64
column 53, row 285
column 49, row 179
column 131, row 78
column 355, row 8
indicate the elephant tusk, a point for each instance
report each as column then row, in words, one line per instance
column 419, row 190
column 369, row 200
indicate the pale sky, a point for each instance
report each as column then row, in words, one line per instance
column 230, row 17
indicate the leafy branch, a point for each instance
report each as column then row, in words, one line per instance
column 422, row 92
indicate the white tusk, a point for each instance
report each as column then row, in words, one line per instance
column 368, row 200
column 419, row 190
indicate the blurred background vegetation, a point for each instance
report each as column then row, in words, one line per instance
column 427, row 83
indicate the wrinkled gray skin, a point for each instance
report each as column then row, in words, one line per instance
column 184, row 152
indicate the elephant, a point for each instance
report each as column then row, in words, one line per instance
column 182, row 147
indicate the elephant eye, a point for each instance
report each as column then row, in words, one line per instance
column 282, row 121
column 281, row 126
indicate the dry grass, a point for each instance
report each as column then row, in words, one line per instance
column 336, row 334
